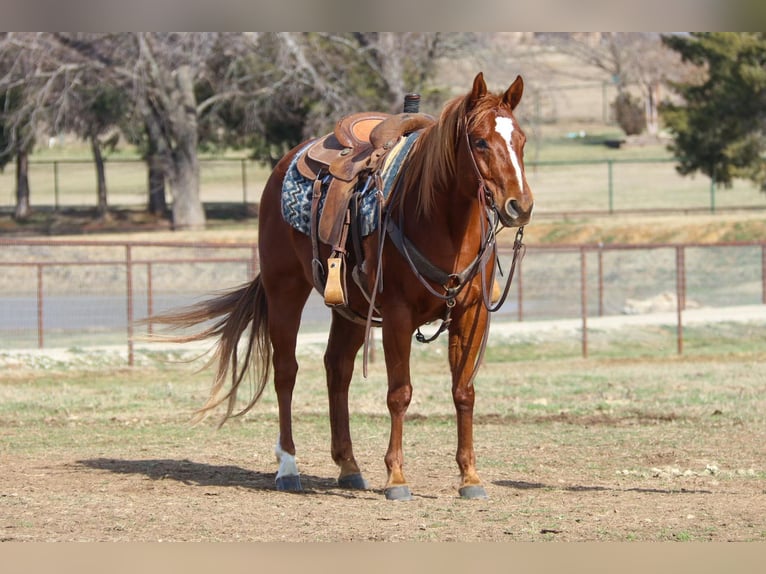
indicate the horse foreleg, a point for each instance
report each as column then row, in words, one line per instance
column 466, row 334
column 345, row 340
column 397, row 343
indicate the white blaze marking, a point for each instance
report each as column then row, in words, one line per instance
column 504, row 126
column 287, row 465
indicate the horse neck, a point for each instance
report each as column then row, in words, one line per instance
column 455, row 224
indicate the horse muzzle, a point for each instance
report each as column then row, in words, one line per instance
column 515, row 213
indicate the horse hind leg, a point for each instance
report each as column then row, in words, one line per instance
column 286, row 303
column 344, row 342
column 288, row 478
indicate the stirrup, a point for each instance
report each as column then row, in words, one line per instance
column 496, row 292
column 333, row 291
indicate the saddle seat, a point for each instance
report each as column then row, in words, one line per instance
column 357, row 146
column 340, row 163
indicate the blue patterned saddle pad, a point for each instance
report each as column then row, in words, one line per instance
column 297, row 190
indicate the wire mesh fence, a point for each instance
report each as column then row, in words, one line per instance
column 561, row 187
column 62, row 183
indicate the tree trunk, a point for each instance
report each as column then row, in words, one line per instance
column 188, row 212
column 22, row 186
column 101, row 207
column 179, row 130
column 155, row 163
column 652, row 115
column 157, row 203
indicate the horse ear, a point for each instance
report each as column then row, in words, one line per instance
column 479, row 89
column 512, row 97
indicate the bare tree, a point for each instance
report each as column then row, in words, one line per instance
column 159, row 70
column 97, row 113
column 301, row 83
column 14, row 147
column 653, row 66
column 162, row 72
column 627, row 59
column 178, row 84
column 403, row 61
column 30, row 86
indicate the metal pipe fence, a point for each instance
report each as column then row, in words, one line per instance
column 83, row 293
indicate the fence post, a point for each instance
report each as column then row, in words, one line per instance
column 680, row 297
column 600, row 281
column 40, row 322
column 129, row 286
column 763, row 273
column 610, row 177
column 149, row 298
column 584, row 301
column 55, row 185
column 244, row 182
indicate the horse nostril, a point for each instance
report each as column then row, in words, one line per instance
column 512, row 208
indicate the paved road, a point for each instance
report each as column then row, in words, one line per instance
column 109, row 312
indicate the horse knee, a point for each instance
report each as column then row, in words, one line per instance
column 398, row 399
column 464, row 398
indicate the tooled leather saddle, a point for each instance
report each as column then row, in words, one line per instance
column 340, row 164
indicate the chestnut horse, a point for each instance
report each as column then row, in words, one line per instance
column 462, row 181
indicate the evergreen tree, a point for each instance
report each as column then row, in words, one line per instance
column 720, row 128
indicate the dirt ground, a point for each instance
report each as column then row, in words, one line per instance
column 640, row 479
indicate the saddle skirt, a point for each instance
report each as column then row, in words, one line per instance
column 297, row 190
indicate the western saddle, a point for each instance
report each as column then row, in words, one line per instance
column 339, row 164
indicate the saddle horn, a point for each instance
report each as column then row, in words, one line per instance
column 411, row 103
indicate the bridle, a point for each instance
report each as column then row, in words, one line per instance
column 488, row 204
column 427, row 273
column 452, row 284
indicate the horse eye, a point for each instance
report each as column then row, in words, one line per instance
column 480, row 143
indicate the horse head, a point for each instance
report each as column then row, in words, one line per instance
column 495, row 142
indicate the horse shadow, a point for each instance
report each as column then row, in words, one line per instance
column 200, row 474
column 521, row 485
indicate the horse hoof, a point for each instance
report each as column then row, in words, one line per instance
column 473, row 492
column 353, row 482
column 398, row 493
column 289, row 482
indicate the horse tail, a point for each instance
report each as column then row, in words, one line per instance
column 231, row 313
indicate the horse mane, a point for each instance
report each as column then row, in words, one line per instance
column 432, row 164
